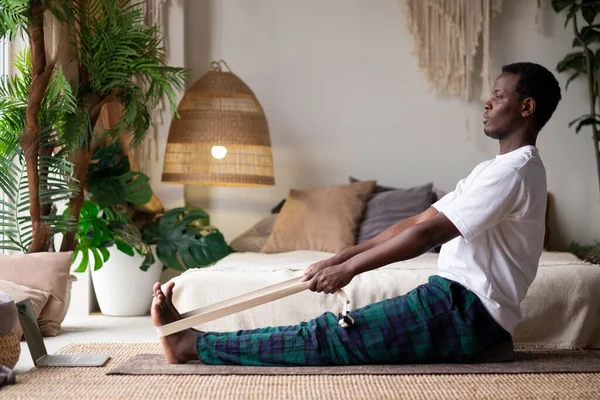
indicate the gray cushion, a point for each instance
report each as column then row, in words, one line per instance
column 388, row 207
column 256, row 237
column 8, row 313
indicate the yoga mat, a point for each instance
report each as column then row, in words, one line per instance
column 93, row 383
column 526, row 362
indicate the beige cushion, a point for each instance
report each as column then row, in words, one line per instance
column 48, row 272
column 324, row 219
column 17, row 293
column 256, row 237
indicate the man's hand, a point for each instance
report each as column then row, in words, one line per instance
column 329, row 279
column 318, row 266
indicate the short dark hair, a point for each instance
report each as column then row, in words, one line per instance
column 537, row 82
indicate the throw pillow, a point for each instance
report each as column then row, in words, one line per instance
column 48, row 272
column 17, row 293
column 8, row 313
column 324, row 219
column 377, row 189
column 386, row 208
column 254, row 238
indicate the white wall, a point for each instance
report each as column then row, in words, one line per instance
column 343, row 96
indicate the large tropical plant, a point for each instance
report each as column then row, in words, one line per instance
column 54, row 169
column 119, row 59
column 584, row 61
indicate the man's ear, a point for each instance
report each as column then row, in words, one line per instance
column 527, row 107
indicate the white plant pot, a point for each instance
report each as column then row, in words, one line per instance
column 122, row 288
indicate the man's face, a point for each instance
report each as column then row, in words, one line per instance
column 503, row 109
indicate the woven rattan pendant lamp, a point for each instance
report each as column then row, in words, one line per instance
column 222, row 136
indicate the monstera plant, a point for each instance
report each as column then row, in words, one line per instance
column 185, row 239
column 105, row 218
column 584, row 61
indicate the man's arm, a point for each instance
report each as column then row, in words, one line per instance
column 384, row 236
column 409, row 242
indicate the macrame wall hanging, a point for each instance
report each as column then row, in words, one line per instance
column 446, row 36
column 147, row 152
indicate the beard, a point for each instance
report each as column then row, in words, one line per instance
column 497, row 134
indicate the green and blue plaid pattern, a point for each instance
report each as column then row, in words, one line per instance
column 439, row 321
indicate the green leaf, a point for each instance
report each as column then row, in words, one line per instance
column 84, row 260
column 125, row 248
column 131, row 236
column 13, row 17
column 137, row 187
column 187, row 242
column 108, row 161
column 587, row 122
column 559, row 5
column 111, row 183
column 589, row 35
column 589, row 10
column 573, row 61
column 150, row 232
column 105, row 253
column 572, row 13
column 98, row 262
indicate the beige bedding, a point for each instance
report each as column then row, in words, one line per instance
column 562, row 308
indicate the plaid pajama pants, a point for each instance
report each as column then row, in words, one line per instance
column 439, row 321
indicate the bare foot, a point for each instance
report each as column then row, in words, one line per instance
column 179, row 347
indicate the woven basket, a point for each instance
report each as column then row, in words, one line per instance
column 219, row 110
column 10, row 350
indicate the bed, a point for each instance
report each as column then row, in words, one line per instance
column 561, row 309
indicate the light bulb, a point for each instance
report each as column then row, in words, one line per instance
column 218, row 152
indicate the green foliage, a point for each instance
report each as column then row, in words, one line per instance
column 13, row 19
column 57, row 105
column 184, row 239
column 585, row 61
column 110, row 182
column 123, row 58
column 99, row 229
column 589, row 253
column 104, row 220
column 92, row 236
column 56, row 184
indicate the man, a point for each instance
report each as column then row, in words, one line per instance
column 492, row 230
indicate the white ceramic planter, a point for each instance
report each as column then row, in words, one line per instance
column 122, row 288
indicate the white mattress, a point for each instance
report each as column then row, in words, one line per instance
column 562, row 308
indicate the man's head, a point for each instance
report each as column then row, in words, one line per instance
column 524, row 98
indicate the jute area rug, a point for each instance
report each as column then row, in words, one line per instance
column 94, row 383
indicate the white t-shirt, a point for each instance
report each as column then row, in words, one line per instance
column 499, row 209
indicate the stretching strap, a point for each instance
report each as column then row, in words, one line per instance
column 244, row 302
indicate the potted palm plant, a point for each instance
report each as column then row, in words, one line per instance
column 51, row 127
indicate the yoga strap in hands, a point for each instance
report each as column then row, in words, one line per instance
column 241, row 303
